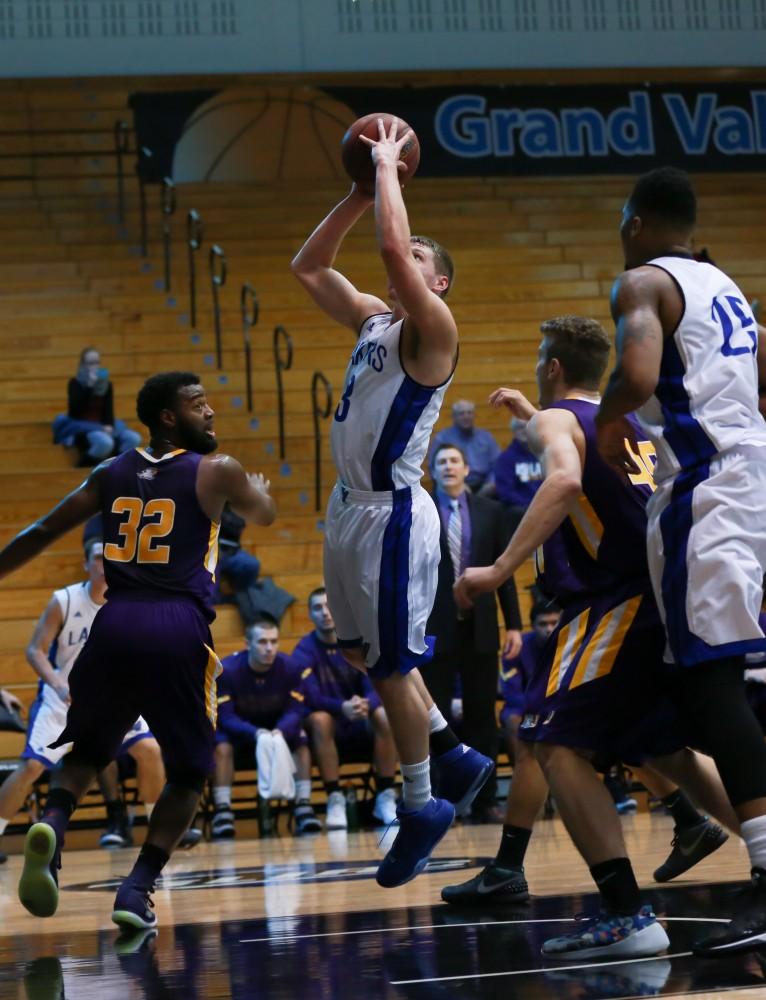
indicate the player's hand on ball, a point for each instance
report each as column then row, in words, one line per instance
column 259, row 482
column 515, row 401
column 387, row 149
column 613, row 440
column 473, row 581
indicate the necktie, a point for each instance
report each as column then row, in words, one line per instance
column 455, row 537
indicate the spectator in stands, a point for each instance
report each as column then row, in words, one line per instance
column 516, row 671
column 344, row 716
column 479, row 446
column 517, row 475
column 473, row 533
column 56, row 642
column 254, row 697
column 89, row 421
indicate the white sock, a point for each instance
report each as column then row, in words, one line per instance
column 754, row 835
column 303, row 790
column 149, row 806
column 416, row 786
column 436, row 721
column 3, row 824
column 222, row 795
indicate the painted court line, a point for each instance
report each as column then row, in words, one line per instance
column 275, row 939
column 547, row 968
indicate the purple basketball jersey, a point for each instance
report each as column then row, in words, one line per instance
column 157, row 538
column 602, row 544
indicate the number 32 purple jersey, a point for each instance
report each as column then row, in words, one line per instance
column 157, row 538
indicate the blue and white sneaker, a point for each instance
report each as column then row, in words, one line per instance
column 626, row 805
column 419, row 833
column 608, row 936
column 134, row 907
column 460, row 774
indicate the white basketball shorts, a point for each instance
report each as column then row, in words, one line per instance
column 381, row 561
column 707, row 556
column 46, row 723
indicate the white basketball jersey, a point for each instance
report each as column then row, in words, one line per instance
column 706, row 400
column 78, row 610
column 384, row 419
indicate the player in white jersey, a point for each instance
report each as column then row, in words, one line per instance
column 690, row 364
column 382, row 528
column 58, row 638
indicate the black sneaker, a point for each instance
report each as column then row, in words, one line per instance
column 747, row 930
column 492, row 885
column 689, row 847
column 306, row 820
column 222, row 826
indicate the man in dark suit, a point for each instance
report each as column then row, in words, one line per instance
column 474, row 532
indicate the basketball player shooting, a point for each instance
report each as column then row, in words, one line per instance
column 382, row 529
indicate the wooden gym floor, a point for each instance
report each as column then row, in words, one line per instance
column 294, row 919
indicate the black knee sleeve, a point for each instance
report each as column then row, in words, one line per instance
column 713, row 701
column 192, row 780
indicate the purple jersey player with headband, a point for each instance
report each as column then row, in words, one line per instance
column 161, row 507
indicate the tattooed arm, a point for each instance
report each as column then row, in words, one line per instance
column 642, row 304
column 636, row 297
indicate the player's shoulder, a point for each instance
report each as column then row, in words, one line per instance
column 553, row 419
column 233, row 660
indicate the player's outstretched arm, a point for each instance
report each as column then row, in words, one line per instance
column 553, row 437
column 74, row 509
column 313, row 266
column 428, row 313
column 222, row 479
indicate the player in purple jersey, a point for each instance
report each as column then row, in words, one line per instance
column 598, row 690
column 691, row 361
column 516, row 671
column 343, row 716
column 160, row 506
column 255, row 696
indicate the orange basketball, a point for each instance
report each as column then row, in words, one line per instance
column 357, row 156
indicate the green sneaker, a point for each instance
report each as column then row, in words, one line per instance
column 38, row 885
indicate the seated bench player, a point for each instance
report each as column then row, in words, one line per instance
column 343, row 716
column 253, row 697
column 56, row 643
column 516, row 671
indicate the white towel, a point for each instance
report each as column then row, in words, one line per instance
column 276, row 768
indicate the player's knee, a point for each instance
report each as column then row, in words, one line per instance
column 321, row 726
column 31, row 770
column 187, row 778
column 224, row 752
column 146, row 752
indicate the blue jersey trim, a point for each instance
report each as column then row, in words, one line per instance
column 683, row 433
column 393, row 594
column 28, row 753
column 406, row 410
column 127, row 744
